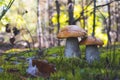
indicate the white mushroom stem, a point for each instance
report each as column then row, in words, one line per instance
column 72, row 47
column 92, row 53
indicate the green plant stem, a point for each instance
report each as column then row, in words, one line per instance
column 7, row 8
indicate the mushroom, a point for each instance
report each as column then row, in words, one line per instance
column 44, row 67
column 92, row 52
column 71, row 32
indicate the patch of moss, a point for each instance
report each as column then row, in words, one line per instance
column 67, row 68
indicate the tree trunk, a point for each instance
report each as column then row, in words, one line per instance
column 109, row 24
column 39, row 28
column 70, row 12
column 94, row 18
column 58, row 18
column 118, row 21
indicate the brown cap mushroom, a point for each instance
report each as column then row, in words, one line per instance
column 91, row 41
column 92, row 53
column 71, row 31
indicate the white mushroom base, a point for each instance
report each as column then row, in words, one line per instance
column 92, row 53
column 72, row 47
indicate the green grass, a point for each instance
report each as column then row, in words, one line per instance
column 67, row 68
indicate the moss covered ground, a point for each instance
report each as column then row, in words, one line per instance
column 13, row 65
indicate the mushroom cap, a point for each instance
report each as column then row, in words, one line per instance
column 71, row 31
column 91, row 41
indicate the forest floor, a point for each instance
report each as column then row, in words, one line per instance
column 5, row 46
column 14, row 65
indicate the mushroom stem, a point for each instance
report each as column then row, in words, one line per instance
column 92, row 53
column 72, row 47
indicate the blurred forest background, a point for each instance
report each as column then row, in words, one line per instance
column 37, row 23
column 29, row 28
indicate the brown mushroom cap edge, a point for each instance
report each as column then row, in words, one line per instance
column 91, row 41
column 71, row 31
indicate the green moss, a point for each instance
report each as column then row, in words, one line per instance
column 67, row 68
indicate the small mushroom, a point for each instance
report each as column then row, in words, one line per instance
column 44, row 67
column 92, row 52
column 71, row 33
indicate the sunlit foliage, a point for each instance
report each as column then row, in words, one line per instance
column 89, row 20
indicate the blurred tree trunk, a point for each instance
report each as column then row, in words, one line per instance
column 51, row 28
column 118, row 20
column 83, row 16
column 58, row 18
column 70, row 12
column 45, row 22
column 39, row 27
column 94, row 18
column 109, row 25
